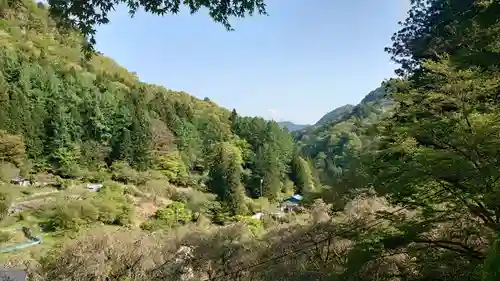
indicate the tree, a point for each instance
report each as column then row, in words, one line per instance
column 491, row 271
column 233, row 119
column 268, row 168
column 11, row 148
column 172, row 167
column 162, row 139
column 225, row 178
column 301, row 174
column 85, row 16
column 460, row 28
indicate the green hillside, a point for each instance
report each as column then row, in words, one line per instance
column 342, row 133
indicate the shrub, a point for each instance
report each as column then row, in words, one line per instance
column 160, row 188
column 5, row 202
column 173, row 168
column 96, row 176
column 174, row 214
column 72, row 215
column 202, row 203
column 62, row 184
column 254, row 225
column 8, row 171
column 110, row 206
column 122, row 172
column 258, row 205
column 180, row 196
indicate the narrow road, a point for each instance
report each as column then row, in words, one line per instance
column 19, row 206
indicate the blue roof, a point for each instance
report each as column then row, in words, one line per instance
column 295, row 198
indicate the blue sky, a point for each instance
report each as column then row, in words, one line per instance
column 304, row 59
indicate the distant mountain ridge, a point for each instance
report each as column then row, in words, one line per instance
column 292, row 127
column 335, row 115
column 374, row 100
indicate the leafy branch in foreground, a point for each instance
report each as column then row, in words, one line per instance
column 85, row 15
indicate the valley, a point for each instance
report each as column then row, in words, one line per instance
column 105, row 177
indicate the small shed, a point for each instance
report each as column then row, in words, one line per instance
column 94, row 187
column 20, row 181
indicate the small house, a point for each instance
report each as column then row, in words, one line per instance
column 20, row 181
column 291, row 203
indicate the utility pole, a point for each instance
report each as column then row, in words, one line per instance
column 261, row 193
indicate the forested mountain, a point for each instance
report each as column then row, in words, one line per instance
column 342, row 133
column 292, row 127
column 402, row 187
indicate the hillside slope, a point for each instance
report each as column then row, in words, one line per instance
column 334, row 115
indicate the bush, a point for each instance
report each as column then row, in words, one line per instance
column 255, row 225
column 114, row 213
column 258, row 205
column 122, row 172
column 202, row 204
column 110, row 206
column 180, row 196
column 70, row 170
column 161, row 188
column 72, row 215
column 111, row 187
column 174, row 214
column 173, row 168
column 126, row 216
column 5, row 202
column 96, row 176
column 219, row 216
column 62, row 184
column 8, row 171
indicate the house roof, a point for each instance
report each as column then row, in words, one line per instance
column 18, row 179
column 295, row 198
column 12, row 275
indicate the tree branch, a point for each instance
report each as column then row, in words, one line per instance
column 452, row 246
